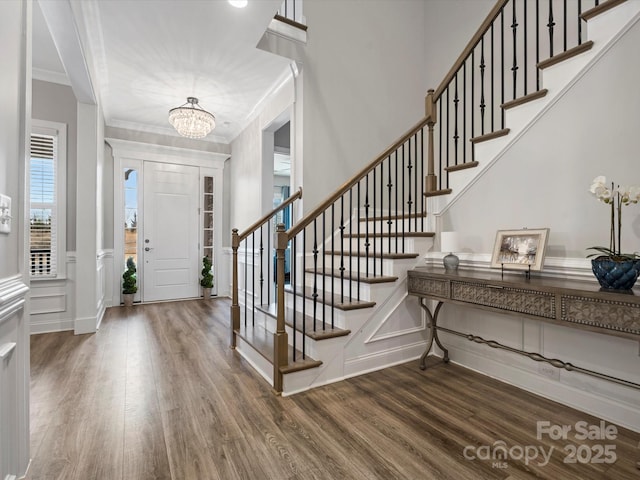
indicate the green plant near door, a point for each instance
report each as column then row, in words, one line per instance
column 129, row 278
column 207, row 277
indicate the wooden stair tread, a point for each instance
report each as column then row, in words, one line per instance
column 384, row 255
column 462, row 166
column 362, row 278
column 262, row 341
column 347, row 304
column 387, row 235
column 436, row 193
column 603, row 7
column 319, row 333
column 572, row 52
column 524, row 99
column 490, row 136
column 397, row 216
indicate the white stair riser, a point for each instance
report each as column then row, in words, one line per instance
column 397, row 225
column 411, row 244
column 337, row 286
column 390, row 267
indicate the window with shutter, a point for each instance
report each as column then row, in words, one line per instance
column 45, row 213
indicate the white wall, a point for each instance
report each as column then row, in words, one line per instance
column 15, row 115
column 448, row 27
column 247, row 169
column 364, row 85
column 543, row 181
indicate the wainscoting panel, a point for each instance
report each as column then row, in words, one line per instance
column 14, row 376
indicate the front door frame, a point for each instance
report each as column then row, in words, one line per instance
column 127, row 153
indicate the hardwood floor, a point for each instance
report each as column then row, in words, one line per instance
column 158, row 394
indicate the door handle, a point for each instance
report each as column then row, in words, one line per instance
column 147, row 249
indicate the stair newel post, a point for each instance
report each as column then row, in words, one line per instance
column 235, row 306
column 280, row 341
column 431, row 179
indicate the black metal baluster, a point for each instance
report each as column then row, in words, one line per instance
column 422, row 180
column 333, row 292
column 456, row 100
column 482, row 100
column 564, row 25
column 358, row 243
column 351, row 240
column 550, row 26
column 403, row 196
column 502, row 64
column 464, row 112
column 341, row 249
column 315, row 273
column 514, row 68
column 579, row 22
column 261, row 263
column 374, row 222
column 366, row 226
column 415, row 184
column 537, row 44
column 473, row 95
column 409, row 199
column 294, row 278
column 440, row 147
column 525, row 47
column 253, row 278
column 246, row 266
column 269, row 260
column 447, row 139
column 389, row 187
column 397, row 212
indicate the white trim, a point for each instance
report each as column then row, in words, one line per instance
column 85, row 325
column 50, row 76
column 133, row 154
column 143, row 127
column 127, row 149
column 59, row 130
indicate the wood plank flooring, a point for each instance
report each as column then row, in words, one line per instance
column 158, row 394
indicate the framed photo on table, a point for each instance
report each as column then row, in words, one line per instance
column 520, row 249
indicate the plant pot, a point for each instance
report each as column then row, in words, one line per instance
column 615, row 274
column 206, row 293
column 128, row 299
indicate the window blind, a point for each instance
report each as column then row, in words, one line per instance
column 43, row 205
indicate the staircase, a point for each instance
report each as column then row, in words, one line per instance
column 339, row 308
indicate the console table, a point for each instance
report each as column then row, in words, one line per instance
column 573, row 303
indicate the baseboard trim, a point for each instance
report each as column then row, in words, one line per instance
column 52, row 326
column 556, row 391
column 85, row 325
column 390, row 357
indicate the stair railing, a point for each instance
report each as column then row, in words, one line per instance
column 246, row 242
column 499, row 68
column 383, row 205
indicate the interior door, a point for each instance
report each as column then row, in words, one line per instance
column 170, row 247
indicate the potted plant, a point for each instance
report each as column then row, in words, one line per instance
column 206, row 282
column 129, row 279
column 613, row 269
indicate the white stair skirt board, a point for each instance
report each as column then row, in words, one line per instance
column 257, row 361
column 604, row 30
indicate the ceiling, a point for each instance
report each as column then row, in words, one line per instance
column 150, row 55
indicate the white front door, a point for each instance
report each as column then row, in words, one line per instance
column 170, row 247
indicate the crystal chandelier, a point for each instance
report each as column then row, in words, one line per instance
column 190, row 120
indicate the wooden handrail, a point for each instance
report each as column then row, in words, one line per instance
column 267, row 217
column 495, row 11
column 309, row 217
